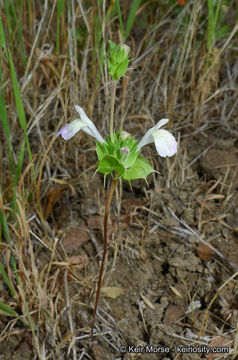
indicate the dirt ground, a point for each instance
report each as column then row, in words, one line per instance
column 168, row 285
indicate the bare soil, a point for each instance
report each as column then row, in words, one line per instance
column 171, row 283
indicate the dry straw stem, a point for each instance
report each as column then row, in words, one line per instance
column 168, row 77
column 68, row 309
column 206, row 317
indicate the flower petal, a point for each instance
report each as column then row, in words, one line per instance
column 148, row 138
column 165, row 143
column 90, row 129
column 69, row 130
column 161, row 123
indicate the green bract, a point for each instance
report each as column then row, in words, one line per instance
column 118, row 60
column 121, row 156
column 139, row 170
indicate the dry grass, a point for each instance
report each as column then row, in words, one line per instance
column 189, row 202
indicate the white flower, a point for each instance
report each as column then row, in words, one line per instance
column 84, row 123
column 165, row 142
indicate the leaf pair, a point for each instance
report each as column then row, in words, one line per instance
column 127, row 164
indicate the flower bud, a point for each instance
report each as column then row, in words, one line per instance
column 124, row 135
column 126, row 49
column 117, row 60
column 125, row 150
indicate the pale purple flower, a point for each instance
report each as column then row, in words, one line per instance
column 165, row 142
column 125, row 150
column 84, row 123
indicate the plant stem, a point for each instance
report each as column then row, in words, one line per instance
column 106, row 212
column 113, row 95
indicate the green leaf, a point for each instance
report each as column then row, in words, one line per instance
column 131, row 158
column 140, row 170
column 99, row 150
column 122, row 69
column 112, row 50
column 122, row 55
column 112, row 67
column 109, row 164
column 112, row 44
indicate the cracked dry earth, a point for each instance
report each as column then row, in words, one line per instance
column 167, row 276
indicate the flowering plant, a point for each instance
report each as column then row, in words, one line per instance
column 119, row 153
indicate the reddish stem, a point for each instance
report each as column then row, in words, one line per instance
column 106, row 212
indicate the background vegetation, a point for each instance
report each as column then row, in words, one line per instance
column 184, row 67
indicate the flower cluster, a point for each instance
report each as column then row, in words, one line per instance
column 121, row 153
column 165, row 142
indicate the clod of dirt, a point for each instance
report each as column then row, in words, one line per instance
column 221, row 163
column 75, row 238
column 204, row 252
column 172, row 314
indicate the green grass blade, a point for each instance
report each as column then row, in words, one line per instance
column 210, row 28
column 3, row 112
column 120, row 19
column 19, row 163
column 21, row 47
column 2, row 35
column 5, row 125
column 19, row 104
column 216, row 14
column 6, row 310
column 9, row 25
column 7, row 281
column 5, row 227
column 14, row 25
column 213, row 21
column 6, row 232
column 60, row 7
column 131, row 17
